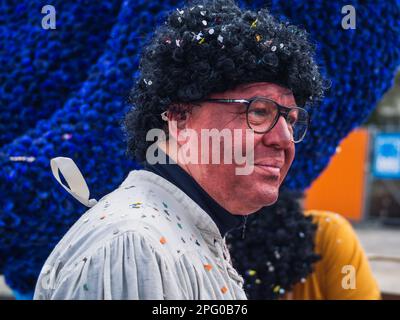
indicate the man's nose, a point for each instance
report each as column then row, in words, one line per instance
column 280, row 135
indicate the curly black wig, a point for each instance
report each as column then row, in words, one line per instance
column 212, row 46
column 285, row 237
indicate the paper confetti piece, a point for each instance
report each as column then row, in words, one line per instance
column 208, row 267
column 251, row 272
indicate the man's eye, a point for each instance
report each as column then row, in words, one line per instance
column 292, row 119
column 258, row 112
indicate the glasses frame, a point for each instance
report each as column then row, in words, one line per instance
column 282, row 111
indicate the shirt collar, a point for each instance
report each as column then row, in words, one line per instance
column 172, row 172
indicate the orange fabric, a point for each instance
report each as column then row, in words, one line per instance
column 339, row 246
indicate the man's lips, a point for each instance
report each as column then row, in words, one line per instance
column 275, row 164
column 269, row 169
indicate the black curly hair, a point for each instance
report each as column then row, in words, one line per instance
column 279, row 247
column 212, row 46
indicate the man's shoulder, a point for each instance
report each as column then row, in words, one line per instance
column 131, row 208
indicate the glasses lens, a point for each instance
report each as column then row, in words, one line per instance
column 298, row 123
column 261, row 115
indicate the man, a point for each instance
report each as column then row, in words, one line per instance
column 161, row 234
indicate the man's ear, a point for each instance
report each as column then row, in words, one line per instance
column 176, row 123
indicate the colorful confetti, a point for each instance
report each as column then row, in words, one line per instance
column 251, row 272
column 208, row 267
column 276, row 288
column 271, row 269
column 135, row 205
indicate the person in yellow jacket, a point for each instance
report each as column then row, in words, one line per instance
column 343, row 273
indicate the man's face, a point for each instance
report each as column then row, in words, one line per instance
column 273, row 151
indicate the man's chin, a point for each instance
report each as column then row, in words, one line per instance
column 270, row 203
column 266, row 199
column 269, row 198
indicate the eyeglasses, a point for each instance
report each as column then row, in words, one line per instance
column 262, row 114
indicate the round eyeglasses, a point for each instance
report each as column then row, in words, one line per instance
column 262, row 114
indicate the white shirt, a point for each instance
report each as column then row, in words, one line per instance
column 145, row 240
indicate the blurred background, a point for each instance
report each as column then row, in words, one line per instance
column 65, row 73
column 364, row 174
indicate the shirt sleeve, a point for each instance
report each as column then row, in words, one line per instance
column 127, row 267
column 343, row 273
column 348, row 273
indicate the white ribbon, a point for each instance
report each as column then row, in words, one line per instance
column 76, row 182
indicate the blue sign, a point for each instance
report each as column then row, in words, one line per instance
column 386, row 162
